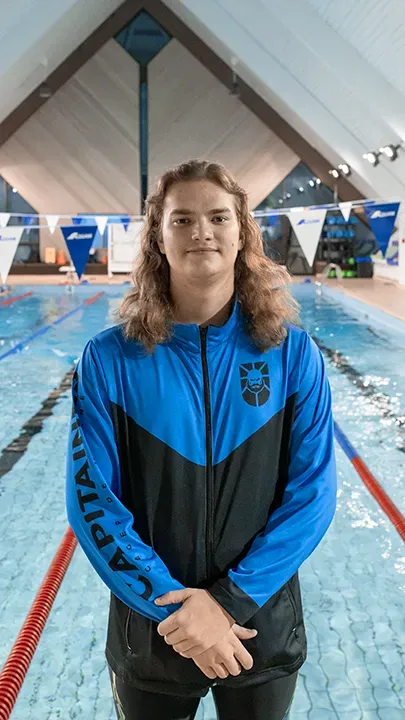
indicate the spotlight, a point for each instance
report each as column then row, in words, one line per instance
column 390, row 151
column 281, row 201
column 15, row 190
column 372, row 157
column 45, row 91
column 301, row 189
column 235, row 89
column 318, row 181
column 335, row 173
column 311, row 183
column 345, row 169
column 288, row 196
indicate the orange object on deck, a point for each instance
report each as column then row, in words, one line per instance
column 61, row 258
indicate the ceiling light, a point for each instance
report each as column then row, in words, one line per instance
column 372, row 157
column 45, row 91
column 390, row 151
column 288, row 196
column 318, row 181
column 344, row 168
column 14, row 190
column 235, row 89
column 311, row 183
column 335, row 173
column 281, row 201
column 301, row 189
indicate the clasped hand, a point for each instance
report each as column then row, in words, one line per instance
column 202, row 630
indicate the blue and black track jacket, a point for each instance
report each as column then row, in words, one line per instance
column 208, row 464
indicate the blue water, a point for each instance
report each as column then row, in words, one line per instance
column 353, row 585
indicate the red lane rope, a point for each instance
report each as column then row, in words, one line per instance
column 16, row 666
column 94, row 298
column 14, row 299
column 384, row 501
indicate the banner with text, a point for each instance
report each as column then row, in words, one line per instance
column 307, row 226
column 382, row 220
column 79, row 241
column 9, row 239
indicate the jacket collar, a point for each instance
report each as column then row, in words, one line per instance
column 191, row 334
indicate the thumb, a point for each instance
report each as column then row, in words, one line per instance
column 243, row 633
column 174, row 596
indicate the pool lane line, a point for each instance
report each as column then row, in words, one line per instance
column 379, row 494
column 380, row 399
column 14, row 451
column 45, row 328
column 19, row 659
column 12, row 300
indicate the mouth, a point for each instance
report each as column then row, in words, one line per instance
column 202, row 250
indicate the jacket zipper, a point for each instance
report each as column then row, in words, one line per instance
column 209, row 474
column 127, row 622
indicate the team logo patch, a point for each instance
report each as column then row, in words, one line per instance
column 255, row 383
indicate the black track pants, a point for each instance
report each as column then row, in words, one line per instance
column 269, row 701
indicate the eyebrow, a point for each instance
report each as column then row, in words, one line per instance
column 215, row 211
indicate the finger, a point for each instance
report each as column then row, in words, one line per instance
column 171, row 624
column 187, row 649
column 243, row 633
column 177, row 636
column 221, row 671
column 233, row 666
column 244, row 657
column 208, row 671
column 174, row 596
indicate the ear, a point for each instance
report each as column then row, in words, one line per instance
column 241, row 243
column 161, row 246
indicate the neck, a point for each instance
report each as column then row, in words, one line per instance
column 208, row 305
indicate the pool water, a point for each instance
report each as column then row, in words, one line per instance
column 353, row 585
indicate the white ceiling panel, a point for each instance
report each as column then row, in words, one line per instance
column 36, row 36
column 312, row 76
column 332, row 70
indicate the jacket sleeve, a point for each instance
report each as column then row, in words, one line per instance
column 297, row 526
column 104, row 527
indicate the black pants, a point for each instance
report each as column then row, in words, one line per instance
column 269, row 701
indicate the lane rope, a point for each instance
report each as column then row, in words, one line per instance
column 16, row 666
column 377, row 491
column 12, row 300
column 20, row 345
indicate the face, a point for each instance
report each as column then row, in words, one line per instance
column 200, row 231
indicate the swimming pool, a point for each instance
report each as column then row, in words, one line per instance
column 353, row 585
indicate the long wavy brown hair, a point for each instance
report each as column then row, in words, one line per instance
column 261, row 288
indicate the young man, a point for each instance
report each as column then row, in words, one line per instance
column 201, row 471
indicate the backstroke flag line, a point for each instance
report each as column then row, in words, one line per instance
column 307, row 226
column 345, row 209
column 52, row 221
column 4, row 218
column 79, row 240
column 382, row 220
column 9, row 239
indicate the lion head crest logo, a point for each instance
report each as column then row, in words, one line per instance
column 255, row 383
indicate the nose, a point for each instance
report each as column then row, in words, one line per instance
column 202, row 231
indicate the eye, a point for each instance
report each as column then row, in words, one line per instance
column 220, row 218
column 181, row 221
